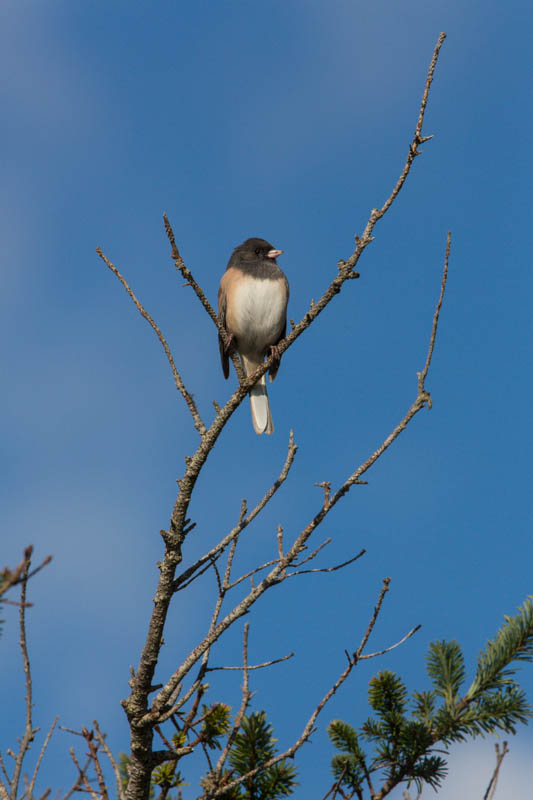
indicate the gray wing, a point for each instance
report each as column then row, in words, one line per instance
column 224, row 358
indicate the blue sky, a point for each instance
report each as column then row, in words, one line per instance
column 288, row 120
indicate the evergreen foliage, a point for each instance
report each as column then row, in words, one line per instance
column 253, row 746
column 404, row 740
column 216, row 723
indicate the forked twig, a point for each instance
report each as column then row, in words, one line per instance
column 500, row 755
column 12, row 577
column 81, row 771
column 82, row 784
column 93, row 752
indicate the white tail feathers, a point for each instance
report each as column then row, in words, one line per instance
column 261, row 416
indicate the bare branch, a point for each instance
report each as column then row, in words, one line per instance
column 314, row 554
column 337, row 785
column 190, row 281
column 418, row 139
column 255, row 666
column 82, row 780
column 29, row 730
column 423, row 375
column 198, row 424
column 164, row 739
column 93, row 752
column 4, row 794
column 103, row 744
column 246, row 697
column 375, row 615
column 10, row 578
column 393, row 646
column 500, row 755
column 39, row 760
column 326, row 486
column 280, row 541
column 327, row 569
column 180, row 265
column 3, row 768
column 252, row 572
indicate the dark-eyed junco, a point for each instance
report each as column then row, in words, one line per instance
column 252, row 306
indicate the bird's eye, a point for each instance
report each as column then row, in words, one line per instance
column 257, row 251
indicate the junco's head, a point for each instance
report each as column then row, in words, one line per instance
column 255, row 249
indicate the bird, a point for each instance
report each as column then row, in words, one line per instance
column 252, row 307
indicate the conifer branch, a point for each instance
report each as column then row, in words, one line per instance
column 404, row 742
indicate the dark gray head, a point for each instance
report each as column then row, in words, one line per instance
column 254, row 250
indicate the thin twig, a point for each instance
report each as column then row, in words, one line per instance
column 336, row 786
column 326, row 486
column 254, row 666
column 393, row 646
column 164, row 739
column 39, row 760
column 314, row 554
column 375, row 615
column 245, row 701
column 101, row 738
column 190, row 281
column 29, row 731
column 180, row 265
column 500, row 755
column 280, row 541
column 198, row 424
column 3, row 768
column 253, row 571
column 327, row 569
column 93, row 752
column 10, row 578
column 82, row 776
column 423, row 375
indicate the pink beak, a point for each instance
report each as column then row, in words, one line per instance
column 274, row 253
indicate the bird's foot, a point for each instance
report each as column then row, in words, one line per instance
column 227, row 343
column 275, row 352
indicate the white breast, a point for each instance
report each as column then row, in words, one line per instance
column 259, row 308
